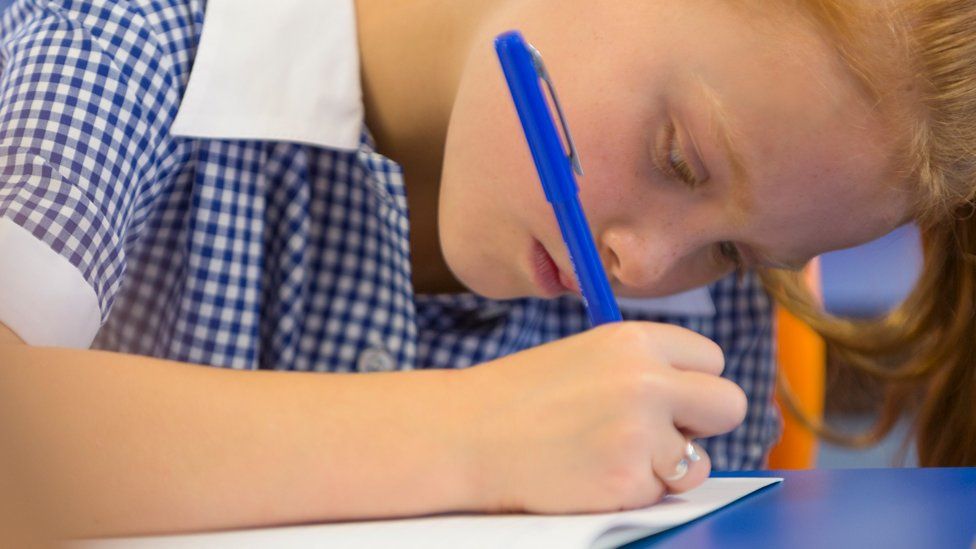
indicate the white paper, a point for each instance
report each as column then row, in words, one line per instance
column 473, row 531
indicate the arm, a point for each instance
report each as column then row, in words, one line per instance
column 591, row 423
column 133, row 445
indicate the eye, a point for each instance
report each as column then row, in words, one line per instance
column 676, row 164
column 730, row 253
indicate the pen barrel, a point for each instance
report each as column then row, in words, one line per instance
column 601, row 306
column 556, row 176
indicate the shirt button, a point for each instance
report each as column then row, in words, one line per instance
column 376, row 360
column 493, row 311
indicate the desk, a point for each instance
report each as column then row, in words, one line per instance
column 862, row 508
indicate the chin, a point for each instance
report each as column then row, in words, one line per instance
column 482, row 278
column 489, row 265
column 484, row 286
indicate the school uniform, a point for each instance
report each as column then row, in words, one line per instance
column 194, row 181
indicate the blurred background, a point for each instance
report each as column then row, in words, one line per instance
column 864, row 282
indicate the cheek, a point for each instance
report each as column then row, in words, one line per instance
column 618, row 183
column 485, row 155
column 614, row 140
column 491, row 203
column 807, row 215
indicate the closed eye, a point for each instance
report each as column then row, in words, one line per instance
column 731, row 254
column 675, row 164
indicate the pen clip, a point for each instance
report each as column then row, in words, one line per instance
column 540, row 69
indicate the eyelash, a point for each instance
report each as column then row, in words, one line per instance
column 675, row 164
column 731, row 254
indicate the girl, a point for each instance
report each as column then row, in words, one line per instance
column 187, row 184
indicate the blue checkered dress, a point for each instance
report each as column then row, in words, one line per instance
column 256, row 254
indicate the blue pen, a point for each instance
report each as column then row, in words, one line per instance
column 524, row 69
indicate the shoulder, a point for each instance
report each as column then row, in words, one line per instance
column 137, row 38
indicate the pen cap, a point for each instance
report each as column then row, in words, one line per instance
column 522, row 73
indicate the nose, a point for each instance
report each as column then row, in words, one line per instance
column 635, row 263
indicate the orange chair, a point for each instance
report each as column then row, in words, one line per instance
column 802, row 359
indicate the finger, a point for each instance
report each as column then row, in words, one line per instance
column 677, row 468
column 686, row 350
column 703, row 405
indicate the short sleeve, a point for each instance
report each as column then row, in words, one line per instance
column 86, row 101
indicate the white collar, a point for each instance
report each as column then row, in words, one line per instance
column 286, row 70
column 697, row 302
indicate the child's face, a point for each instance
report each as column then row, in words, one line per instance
column 815, row 166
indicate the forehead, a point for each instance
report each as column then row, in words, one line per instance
column 815, row 149
column 783, row 86
column 801, row 115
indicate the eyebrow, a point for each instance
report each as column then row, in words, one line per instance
column 720, row 126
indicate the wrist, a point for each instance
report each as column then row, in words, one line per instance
column 464, row 455
column 436, row 431
column 477, row 454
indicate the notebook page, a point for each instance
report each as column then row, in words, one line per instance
column 471, row 531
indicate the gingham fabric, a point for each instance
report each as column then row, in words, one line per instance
column 255, row 254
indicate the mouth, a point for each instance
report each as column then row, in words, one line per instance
column 549, row 278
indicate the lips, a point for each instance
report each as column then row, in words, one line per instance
column 552, row 281
column 569, row 282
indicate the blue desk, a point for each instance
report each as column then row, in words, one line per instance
column 862, row 508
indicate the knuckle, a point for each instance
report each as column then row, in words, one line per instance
column 628, row 335
column 639, row 382
column 712, row 357
column 631, row 440
column 650, row 383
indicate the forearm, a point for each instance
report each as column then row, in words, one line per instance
column 135, row 445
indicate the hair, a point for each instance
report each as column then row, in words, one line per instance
column 918, row 59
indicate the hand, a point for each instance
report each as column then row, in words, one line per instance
column 597, row 421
